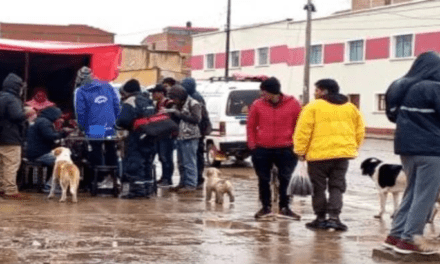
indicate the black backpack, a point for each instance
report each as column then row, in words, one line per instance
column 205, row 123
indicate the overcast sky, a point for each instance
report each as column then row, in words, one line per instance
column 132, row 20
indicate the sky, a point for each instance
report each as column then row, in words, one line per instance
column 133, row 20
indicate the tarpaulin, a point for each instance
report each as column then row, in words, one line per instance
column 105, row 58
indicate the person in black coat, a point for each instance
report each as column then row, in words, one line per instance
column 140, row 149
column 42, row 137
column 12, row 123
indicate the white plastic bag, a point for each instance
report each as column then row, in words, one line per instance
column 300, row 183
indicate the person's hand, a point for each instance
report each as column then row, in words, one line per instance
column 169, row 111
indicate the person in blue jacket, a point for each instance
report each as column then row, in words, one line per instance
column 97, row 106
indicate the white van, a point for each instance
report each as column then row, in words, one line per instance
column 227, row 104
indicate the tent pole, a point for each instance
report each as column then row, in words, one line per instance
column 26, row 75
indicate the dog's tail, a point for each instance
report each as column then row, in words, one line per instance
column 427, row 244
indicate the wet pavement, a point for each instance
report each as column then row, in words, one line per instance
column 178, row 228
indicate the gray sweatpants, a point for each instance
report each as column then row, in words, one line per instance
column 329, row 173
column 423, row 177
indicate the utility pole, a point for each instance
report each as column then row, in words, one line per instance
column 310, row 8
column 228, row 32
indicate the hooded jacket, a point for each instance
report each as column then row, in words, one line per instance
column 329, row 128
column 97, row 104
column 12, row 115
column 41, row 136
column 413, row 103
column 272, row 125
column 190, row 86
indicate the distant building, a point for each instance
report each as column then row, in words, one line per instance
column 69, row 33
column 367, row 4
column 176, row 39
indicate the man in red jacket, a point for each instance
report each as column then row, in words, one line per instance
column 270, row 127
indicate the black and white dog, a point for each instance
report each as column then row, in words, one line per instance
column 389, row 178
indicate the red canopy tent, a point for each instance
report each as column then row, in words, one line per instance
column 36, row 60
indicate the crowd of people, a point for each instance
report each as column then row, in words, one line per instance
column 325, row 133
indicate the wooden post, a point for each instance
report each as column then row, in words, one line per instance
column 228, row 32
column 310, row 8
column 26, row 75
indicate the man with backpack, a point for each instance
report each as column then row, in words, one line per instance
column 205, row 127
column 140, row 149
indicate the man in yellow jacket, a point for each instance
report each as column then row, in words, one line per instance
column 329, row 132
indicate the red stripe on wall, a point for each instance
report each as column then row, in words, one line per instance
column 247, row 57
column 334, row 53
column 279, row 54
column 377, row 49
column 197, row 62
column 296, row 56
column 427, row 42
column 220, row 60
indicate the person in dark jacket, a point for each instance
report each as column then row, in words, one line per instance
column 413, row 103
column 270, row 127
column 140, row 149
column 12, row 119
column 190, row 86
column 42, row 137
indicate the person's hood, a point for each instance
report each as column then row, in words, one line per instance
column 338, row 99
column 425, row 67
column 189, row 84
column 13, row 84
column 51, row 113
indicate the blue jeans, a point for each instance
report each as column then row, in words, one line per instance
column 165, row 148
column 187, row 155
column 47, row 159
column 423, row 179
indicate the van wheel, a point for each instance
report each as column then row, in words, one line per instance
column 210, row 156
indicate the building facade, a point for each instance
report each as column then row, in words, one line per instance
column 363, row 50
column 70, row 33
column 366, row 4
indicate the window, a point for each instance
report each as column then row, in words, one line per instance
column 263, row 58
column 403, row 46
column 356, row 50
column 381, row 102
column 235, row 59
column 316, row 54
column 239, row 102
column 210, row 61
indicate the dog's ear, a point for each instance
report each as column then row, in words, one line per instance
column 56, row 152
column 217, row 171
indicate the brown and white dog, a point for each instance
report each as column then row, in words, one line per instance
column 389, row 178
column 217, row 185
column 66, row 173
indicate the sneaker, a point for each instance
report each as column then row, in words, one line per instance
column 317, row 224
column 390, row 242
column 107, row 183
column 186, row 189
column 336, row 224
column 175, row 188
column 164, row 183
column 287, row 213
column 264, row 213
column 16, row 196
column 405, row 247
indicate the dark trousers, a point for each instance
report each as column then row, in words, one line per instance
column 263, row 160
column 165, row 148
column 329, row 173
column 200, row 161
column 101, row 153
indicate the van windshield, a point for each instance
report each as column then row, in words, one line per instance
column 239, row 102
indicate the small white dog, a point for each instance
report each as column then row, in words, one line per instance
column 66, row 173
column 217, row 185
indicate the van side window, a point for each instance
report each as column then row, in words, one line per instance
column 240, row 101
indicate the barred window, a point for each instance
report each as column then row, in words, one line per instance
column 381, row 102
column 403, row 46
column 356, row 50
column 316, row 54
column 235, row 59
column 210, row 61
column 263, row 58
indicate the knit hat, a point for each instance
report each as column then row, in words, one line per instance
column 271, row 85
column 132, row 86
column 177, row 92
column 84, row 76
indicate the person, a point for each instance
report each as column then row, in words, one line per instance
column 189, row 112
column 12, row 119
column 413, row 103
column 97, row 107
column 168, row 83
column 165, row 146
column 140, row 150
column 39, row 100
column 330, row 131
column 190, row 86
column 270, row 127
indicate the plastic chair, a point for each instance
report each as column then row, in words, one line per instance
column 39, row 173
